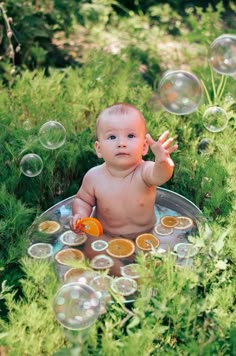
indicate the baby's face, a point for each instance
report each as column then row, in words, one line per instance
column 121, row 139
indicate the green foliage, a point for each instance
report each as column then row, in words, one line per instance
column 178, row 312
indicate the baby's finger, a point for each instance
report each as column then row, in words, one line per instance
column 168, row 142
column 163, row 136
column 172, row 148
column 150, row 139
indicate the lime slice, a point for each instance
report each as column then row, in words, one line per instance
column 124, row 286
column 40, row 250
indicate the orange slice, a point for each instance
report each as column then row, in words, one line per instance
column 162, row 230
column 124, row 286
column 120, row 248
column 40, row 250
column 147, row 241
column 102, row 262
column 73, row 273
column 184, row 223
column 91, row 226
column 49, row 227
column 130, row 271
column 70, row 238
column 169, row 221
column 69, row 256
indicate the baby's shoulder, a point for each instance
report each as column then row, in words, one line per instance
column 95, row 172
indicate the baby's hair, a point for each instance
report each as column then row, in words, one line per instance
column 119, row 109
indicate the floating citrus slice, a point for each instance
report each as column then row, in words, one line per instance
column 120, row 248
column 102, row 262
column 130, row 271
column 73, row 274
column 91, row 226
column 49, row 227
column 185, row 250
column 184, row 223
column 124, row 286
column 147, row 241
column 99, row 245
column 169, row 221
column 162, row 230
column 69, row 256
column 40, row 250
column 70, row 238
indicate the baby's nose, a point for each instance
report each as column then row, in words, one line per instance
column 122, row 142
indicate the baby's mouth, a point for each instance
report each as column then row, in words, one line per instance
column 122, row 154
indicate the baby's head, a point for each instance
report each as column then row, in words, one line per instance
column 123, row 111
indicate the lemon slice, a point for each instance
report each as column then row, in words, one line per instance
column 185, row 250
column 99, row 245
column 49, row 227
column 184, row 223
column 70, row 238
column 124, row 286
column 130, row 271
column 162, row 230
column 102, row 262
column 40, row 250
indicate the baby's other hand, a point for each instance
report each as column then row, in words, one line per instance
column 163, row 147
column 73, row 221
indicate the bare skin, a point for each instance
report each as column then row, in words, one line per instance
column 123, row 189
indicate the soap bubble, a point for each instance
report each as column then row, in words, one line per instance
column 215, row 119
column 52, row 135
column 31, row 165
column 205, row 146
column 76, row 306
column 180, row 92
column 222, row 54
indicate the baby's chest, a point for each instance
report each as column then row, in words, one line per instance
column 125, row 193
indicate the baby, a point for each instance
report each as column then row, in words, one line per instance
column 122, row 190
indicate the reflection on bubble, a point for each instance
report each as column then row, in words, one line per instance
column 31, row 165
column 222, row 54
column 215, row 119
column 76, row 306
column 205, row 146
column 52, row 135
column 180, row 92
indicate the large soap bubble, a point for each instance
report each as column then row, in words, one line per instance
column 31, row 165
column 76, row 306
column 52, row 135
column 222, row 54
column 215, row 119
column 180, row 92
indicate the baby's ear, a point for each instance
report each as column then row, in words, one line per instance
column 145, row 147
column 97, row 148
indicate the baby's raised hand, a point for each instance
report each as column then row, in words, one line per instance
column 163, row 147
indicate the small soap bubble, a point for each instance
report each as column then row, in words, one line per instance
column 31, row 165
column 52, row 135
column 205, row 146
column 180, row 92
column 222, row 54
column 215, row 119
column 77, row 312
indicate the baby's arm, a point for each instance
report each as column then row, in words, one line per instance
column 160, row 171
column 84, row 201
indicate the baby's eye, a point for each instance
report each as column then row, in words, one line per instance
column 112, row 137
column 131, row 136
